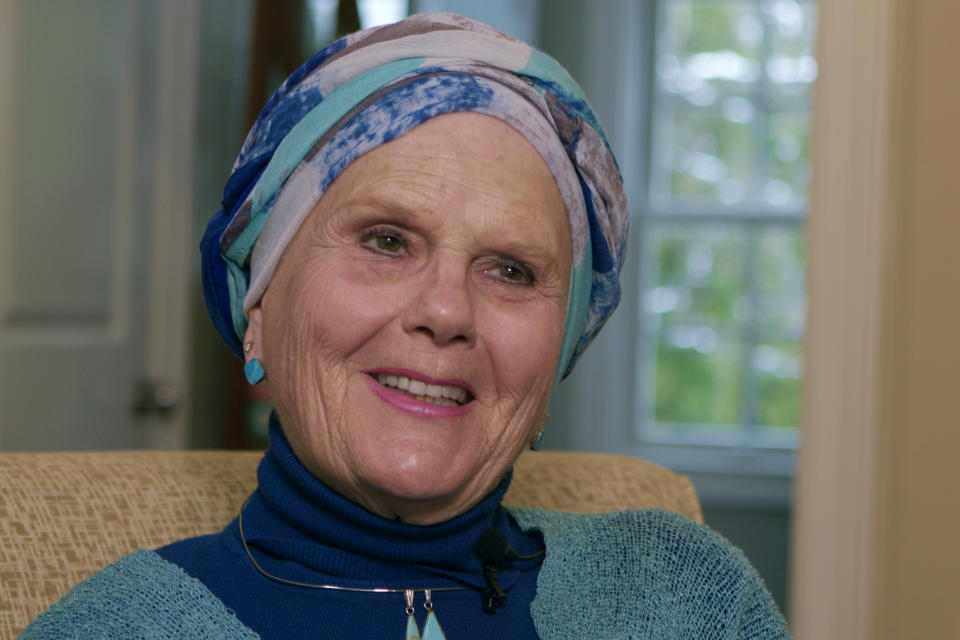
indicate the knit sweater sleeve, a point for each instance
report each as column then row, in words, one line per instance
column 645, row 574
column 139, row 596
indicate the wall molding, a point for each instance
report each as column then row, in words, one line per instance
column 8, row 88
column 851, row 232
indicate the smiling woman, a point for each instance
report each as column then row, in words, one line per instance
column 422, row 232
column 447, row 252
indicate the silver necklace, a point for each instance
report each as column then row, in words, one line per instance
column 431, row 629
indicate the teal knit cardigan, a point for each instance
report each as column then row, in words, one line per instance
column 630, row 574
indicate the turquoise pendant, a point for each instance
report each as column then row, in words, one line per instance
column 431, row 628
column 413, row 633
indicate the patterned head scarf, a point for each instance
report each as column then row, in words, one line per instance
column 375, row 85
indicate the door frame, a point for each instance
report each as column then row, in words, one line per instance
column 174, row 265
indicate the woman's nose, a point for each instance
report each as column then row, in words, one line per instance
column 442, row 308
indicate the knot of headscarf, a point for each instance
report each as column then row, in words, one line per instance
column 375, row 85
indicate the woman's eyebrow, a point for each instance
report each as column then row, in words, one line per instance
column 527, row 252
column 387, row 204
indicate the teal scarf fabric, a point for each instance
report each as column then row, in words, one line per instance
column 630, row 574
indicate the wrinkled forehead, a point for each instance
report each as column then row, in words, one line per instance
column 461, row 161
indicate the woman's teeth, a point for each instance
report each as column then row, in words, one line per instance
column 442, row 394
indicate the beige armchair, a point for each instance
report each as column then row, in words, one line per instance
column 63, row 516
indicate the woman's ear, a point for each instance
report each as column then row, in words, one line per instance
column 253, row 338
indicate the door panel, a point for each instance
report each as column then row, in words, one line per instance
column 85, row 151
column 69, row 93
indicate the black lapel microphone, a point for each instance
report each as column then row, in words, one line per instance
column 491, row 547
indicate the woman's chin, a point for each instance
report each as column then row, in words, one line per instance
column 422, row 482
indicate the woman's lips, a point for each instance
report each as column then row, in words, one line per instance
column 421, row 395
column 442, row 394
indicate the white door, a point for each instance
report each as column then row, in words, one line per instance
column 96, row 115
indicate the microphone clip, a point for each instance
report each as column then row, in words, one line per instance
column 490, row 549
column 493, row 595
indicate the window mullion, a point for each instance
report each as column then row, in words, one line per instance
column 749, row 336
column 642, row 226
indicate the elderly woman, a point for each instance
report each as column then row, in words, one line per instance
column 421, row 233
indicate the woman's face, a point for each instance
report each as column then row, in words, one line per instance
column 412, row 329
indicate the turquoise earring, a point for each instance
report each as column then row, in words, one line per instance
column 253, row 369
column 536, row 445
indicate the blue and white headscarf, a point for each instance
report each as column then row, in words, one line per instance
column 375, row 85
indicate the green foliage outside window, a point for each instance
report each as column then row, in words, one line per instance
column 723, row 258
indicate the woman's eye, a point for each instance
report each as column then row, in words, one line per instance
column 384, row 241
column 513, row 273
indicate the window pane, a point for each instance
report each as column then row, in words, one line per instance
column 699, row 275
column 710, row 42
column 731, row 98
column 787, row 174
column 704, row 154
column 790, row 67
column 781, row 292
column 707, row 64
column 697, row 377
column 778, row 368
column 374, row 13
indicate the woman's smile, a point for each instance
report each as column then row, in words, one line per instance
column 421, row 396
column 426, row 390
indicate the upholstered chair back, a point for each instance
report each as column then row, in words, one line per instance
column 63, row 516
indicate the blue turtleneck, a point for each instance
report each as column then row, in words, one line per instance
column 299, row 529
